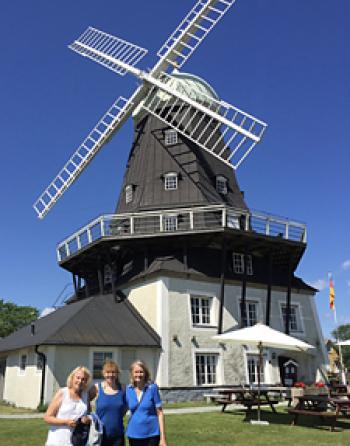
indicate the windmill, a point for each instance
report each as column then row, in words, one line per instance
column 216, row 127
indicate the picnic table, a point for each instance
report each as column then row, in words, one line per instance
column 247, row 397
column 320, row 406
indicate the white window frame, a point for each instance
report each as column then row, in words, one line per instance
column 218, row 373
column 298, row 315
column 171, row 181
column 254, row 356
column 221, row 184
column 238, row 263
column 257, row 310
column 22, row 371
column 170, row 137
column 170, row 222
column 201, row 314
column 129, row 193
column 99, row 350
column 214, row 308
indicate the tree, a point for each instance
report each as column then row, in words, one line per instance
column 342, row 333
column 13, row 317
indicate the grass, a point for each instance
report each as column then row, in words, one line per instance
column 209, row 429
column 9, row 409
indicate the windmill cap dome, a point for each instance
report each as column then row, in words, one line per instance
column 185, row 83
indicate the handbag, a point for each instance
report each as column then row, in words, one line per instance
column 80, row 433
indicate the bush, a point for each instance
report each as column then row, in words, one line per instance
column 42, row 407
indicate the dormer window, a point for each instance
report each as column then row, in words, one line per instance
column 170, row 137
column 170, row 181
column 221, row 184
column 238, row 263
column 129, row 193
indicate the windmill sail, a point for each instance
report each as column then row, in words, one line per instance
column 225, row 131
column 102, row 47
column 100, row 135
column 190, row 33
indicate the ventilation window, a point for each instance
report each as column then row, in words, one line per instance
column 170, row 181
column 170, row 137
column 221, row 185
column 128, row 194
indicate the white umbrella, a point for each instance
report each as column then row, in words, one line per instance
column 260, row 336
column 347, row 342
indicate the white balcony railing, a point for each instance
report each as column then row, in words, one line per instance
column 179, row 220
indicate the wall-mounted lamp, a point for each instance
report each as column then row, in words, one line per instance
column 175, row 338
column 193, row 339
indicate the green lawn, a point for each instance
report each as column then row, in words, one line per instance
column 209, row 429
column 7, row 409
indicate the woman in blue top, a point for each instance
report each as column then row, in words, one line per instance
column 146, row 423
column 110, row 405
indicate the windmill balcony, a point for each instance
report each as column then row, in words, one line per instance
column 180, row 221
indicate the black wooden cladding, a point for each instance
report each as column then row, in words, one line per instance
column 93, row 321
column 150, row 159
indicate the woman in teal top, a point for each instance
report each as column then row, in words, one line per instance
column 146, row 422
column 110, row 405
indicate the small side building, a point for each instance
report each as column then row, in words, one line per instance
column 38, row 358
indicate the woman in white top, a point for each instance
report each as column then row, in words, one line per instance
column 68, row 405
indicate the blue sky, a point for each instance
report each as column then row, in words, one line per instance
column 285, row 62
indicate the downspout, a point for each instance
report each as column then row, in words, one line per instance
column 43, row 374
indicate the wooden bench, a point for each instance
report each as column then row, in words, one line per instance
column 248, row 403
column 315, row 413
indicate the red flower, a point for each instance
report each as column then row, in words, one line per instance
column 300, row 384
column 320, row 384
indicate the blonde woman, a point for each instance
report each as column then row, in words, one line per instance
column 146, row 423
column 110, row 404
column 69, row 405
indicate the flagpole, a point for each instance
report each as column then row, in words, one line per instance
column 332, row 307
column 342, row 371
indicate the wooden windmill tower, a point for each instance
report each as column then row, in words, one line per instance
column 182, row 244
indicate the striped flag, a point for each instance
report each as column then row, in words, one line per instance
column 331, row 293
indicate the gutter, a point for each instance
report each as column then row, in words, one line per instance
column 43, row 374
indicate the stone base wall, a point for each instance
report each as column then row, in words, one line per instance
column 177, row 395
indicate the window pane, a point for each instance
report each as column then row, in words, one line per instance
column 170, row 137
column 170, row 182
column 99, row 359
column 200, row 310
column 170, row 223
column 206, row 368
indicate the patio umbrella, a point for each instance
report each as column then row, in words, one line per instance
column 260, row 336
column 347, row 342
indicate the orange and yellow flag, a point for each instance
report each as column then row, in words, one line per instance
column 331, row 293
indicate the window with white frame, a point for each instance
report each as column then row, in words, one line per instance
column 206, row 368
column 98, row 359
column 253, row 367
column 200, row 310
column 170, row 181
column 221, row 185
column 251, row 313
column 170, row 137
column 23, row 359
column 170, row 223
column 129, row 193
column 294, row 317
column 238, row 263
